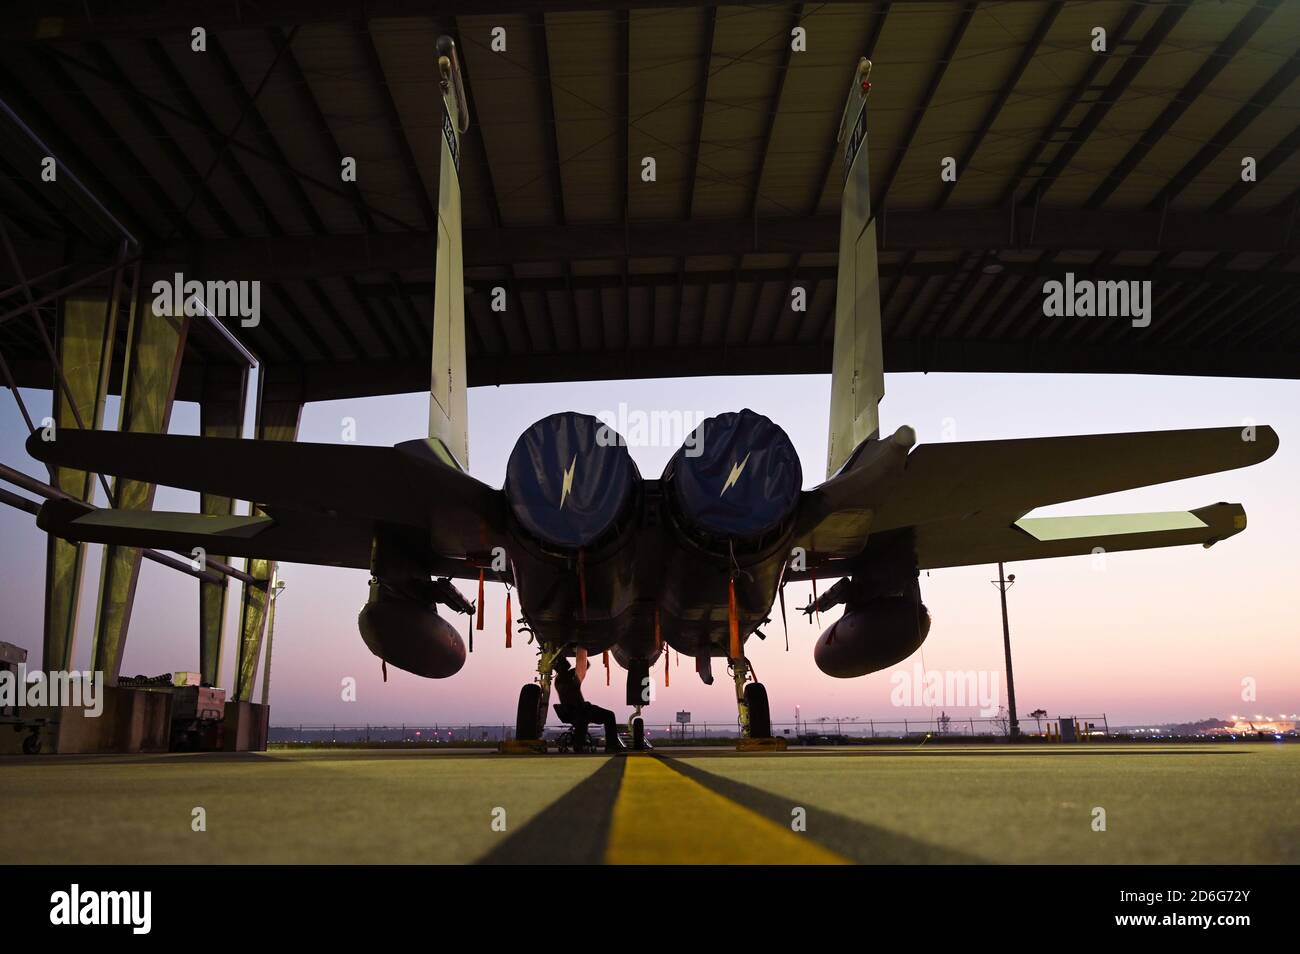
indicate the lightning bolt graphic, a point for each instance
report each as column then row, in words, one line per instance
column 736, row 471
column 568, row 481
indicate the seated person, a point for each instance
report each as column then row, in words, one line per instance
column 580, row 713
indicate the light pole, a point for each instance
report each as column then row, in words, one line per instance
column 276, row 588
column 1004, row 583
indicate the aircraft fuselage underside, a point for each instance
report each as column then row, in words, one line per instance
column 646, row 585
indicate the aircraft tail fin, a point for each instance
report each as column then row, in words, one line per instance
column 448, row 404
column 857, row 371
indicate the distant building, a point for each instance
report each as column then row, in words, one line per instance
column 1253, row 726
column 1231, row 726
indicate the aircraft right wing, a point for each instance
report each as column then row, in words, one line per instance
column 986, row 487
column 947, row 481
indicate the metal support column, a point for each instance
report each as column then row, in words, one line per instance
column 86, row 331
column 279, row 410
column 221, row 414
column 155, row 347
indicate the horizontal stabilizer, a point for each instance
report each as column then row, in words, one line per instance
column 948, row 481
column 967, row 542
column 287, row 537
column 328, row 541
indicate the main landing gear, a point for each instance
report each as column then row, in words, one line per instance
column 535, row 698
column 751, row 702
column 754, row 714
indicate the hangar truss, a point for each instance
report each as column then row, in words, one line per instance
column 1118, row 165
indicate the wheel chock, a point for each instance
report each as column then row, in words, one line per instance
column 761, row 745
column 521, row 747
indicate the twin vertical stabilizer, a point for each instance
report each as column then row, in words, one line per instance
column 448, row 405
column 857, row 369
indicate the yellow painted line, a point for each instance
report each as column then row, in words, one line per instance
column 662, row 817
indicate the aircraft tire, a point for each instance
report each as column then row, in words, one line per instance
column 760, row 717
column 638, row 734
column 528, row 715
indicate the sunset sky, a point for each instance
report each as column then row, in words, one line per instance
column 1160, row 635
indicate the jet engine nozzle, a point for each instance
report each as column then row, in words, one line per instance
column 736, row 481
column 412, row 637
column 570, row 480
column 871, row 636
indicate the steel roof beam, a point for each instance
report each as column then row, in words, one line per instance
column 249, row 108
column 412, row 330
column 313, row 256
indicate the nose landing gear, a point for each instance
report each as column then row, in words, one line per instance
column 636, row 727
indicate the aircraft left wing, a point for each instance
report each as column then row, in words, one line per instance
column 303, row 486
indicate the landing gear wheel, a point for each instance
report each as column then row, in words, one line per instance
column 638, row 734
column 32, row 744
column 760, row 717
column 528, row 717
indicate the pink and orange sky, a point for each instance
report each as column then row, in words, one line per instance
column 1154, row 636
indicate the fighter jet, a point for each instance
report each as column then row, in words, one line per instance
column 605, row 560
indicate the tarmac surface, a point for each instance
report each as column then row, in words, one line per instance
column 1160, row 804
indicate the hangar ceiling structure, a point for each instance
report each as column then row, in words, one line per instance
column 225, row 164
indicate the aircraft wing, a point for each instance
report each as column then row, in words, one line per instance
column 948, row 481
column 966, row 542
column 305, row 487
column 986, row 487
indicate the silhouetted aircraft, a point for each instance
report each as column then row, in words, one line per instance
column 605, row 560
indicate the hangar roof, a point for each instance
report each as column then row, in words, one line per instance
column 1123, row 165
